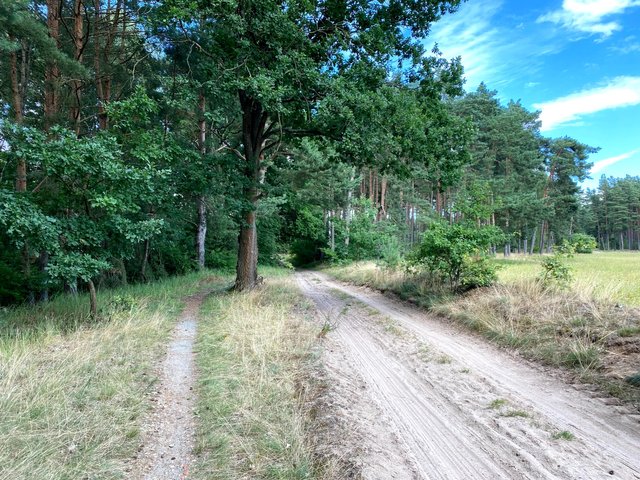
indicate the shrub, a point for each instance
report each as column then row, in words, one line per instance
column 455, row 253
column 477, row 272
column 555, row 271
column 583, row 243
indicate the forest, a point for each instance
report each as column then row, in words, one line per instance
column 140, row 140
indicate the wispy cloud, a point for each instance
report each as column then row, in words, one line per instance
column 602, row 164
column 619, row 92
column 491, row 50
column 590, row 16
column 629, row 45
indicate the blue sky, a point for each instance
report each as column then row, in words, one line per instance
column 577, row 61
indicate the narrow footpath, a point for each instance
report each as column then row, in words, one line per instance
column 166, row 451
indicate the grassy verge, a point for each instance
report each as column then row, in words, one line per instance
column 72, row 391
column 581, row 329
column 253, row 350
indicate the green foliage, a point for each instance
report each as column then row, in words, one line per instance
column 555, row 271
column 583, row 243
column 455, row 252
column 477, row 271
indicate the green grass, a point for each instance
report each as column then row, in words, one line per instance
column 253, row 354
column 497, row 403
column 563, row 435
column 73, row 390
column 609, row 276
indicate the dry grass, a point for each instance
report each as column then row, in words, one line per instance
column 72, row 392
column 253, row 350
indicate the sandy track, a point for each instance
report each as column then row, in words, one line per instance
column 433, row 386
column 168, row 434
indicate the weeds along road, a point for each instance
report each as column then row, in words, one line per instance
column 450, row 406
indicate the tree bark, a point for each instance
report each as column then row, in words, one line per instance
column 17, row 96
column 76, row 84
column 254, row 120
column 52, row 72
column 93, row 300
column 145, row 260
column 202, row 229
column 201, row 202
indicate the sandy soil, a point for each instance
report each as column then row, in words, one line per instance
column 423, row 399
column 168, row 433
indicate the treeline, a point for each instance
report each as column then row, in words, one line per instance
column 611, row 213
column 140, row 140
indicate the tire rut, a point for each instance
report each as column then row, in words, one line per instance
column 439, row 410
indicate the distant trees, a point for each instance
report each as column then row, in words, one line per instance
column 611, row 213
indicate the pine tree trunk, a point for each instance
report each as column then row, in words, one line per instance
column 76, row 85
column 52, row 71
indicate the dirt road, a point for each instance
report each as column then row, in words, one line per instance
column 427, row 400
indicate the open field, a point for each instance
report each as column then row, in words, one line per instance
column 608, row 276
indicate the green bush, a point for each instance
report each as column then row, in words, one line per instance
column 477, row 272
column 224, row 260
column 583, row 243
column 455, row 253
column 555, row 271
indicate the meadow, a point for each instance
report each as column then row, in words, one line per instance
column 74, row 390
column 608, row 276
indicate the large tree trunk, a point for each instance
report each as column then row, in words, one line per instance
column 247, row 267
column 254, row 120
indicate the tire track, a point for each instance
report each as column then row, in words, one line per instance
column 442, row 419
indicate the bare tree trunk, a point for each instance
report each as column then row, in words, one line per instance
column 78, row 43
column 533, row 240
column 347, row 210
column 383, row 198
column 145, row 260
column 17, row 96
column 52, row 71
column 201, row 200
column 93, row 299
column 202, row 229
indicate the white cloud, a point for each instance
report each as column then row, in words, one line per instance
column 620, row 92
column 588, row 16
column 491, row 50
column 602, row 164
